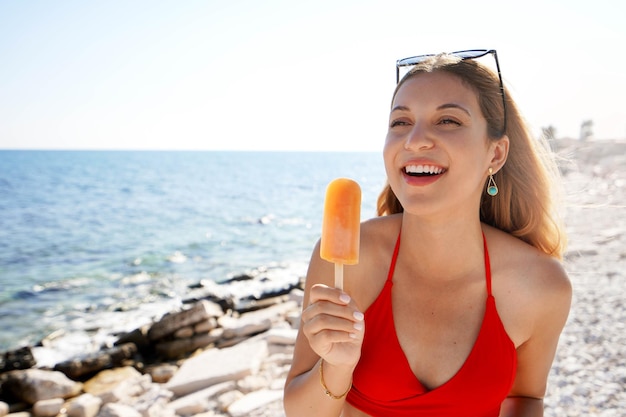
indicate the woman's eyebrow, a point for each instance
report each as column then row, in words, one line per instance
column 400, row 108
column 441, row 107
column 453, row 106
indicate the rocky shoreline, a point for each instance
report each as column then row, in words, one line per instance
column 224, row 353
column 227, row 351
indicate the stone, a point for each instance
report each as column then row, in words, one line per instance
column 138, row 336
column 109, row 379
column 297, row 295
column 184, row 333
column 205, row 326
column 177, row 348
column 152, row 402
column 250, row 402
column 48, row 408
column 254, row 322
column 279, row 312
column 32, row 385
column 252, row 383
column 118, row 385
column 245, row 305
column 118, row 410
column 245, row 326
column 226, row 399
column 21, row 358
column 170, row 323
column 85, row 405
column 198, row 401
column 161, row 373
column 226, row 343
column 293, row 318
column 218, row 365
column 90, row 364
column 282, row 336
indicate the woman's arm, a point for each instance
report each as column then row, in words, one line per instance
column 547, row 312
column 330, row 337
column 522, row 406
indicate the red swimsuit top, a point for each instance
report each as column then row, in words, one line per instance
column 384, row 384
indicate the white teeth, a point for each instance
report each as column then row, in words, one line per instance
column 423, row 169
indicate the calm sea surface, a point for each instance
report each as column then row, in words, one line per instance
column 92, row 240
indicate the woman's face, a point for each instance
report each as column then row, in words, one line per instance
column 437, row 154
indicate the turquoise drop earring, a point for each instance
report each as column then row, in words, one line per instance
column 492, row 188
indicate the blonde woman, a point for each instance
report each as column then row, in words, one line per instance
column 458, row 301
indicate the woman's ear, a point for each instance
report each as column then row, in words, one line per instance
column 500, row 151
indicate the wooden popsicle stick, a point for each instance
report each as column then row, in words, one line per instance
column 339, row 276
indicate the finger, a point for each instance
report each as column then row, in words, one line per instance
column 321, row 323
column 346, row 312
column 323, row 292
column 328, row 338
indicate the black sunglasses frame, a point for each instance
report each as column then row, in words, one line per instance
column 466, row 54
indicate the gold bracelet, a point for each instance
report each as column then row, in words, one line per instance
column 326, row 390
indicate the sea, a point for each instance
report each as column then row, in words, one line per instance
column 94, row 243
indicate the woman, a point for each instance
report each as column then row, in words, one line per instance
column 458, row 301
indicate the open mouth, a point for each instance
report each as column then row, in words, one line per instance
column 423, row 170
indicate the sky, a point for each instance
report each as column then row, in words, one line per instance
column 312, row 75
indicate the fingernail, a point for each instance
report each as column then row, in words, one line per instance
column 358, row 315
column 345, row 298
column 358, row 326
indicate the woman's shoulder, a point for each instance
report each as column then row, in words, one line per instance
column 524, row 264
column 528, row 284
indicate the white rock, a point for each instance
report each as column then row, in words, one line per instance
column 282, row 336
column 244, row 326
column 86, row 405
column 152, row 403
column 118, row 410
column 226, row 399
column 218, row 365
column 48, row 408
column 250, row 402
column 198, row 401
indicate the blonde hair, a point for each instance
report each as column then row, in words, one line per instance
column 525, row 206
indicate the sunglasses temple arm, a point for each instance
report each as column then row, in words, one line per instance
column 495, row 56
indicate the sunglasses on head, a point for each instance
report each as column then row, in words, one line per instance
column 463, row 55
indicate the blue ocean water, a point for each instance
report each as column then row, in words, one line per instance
column 89, row 238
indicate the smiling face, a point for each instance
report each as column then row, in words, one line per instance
column 437, row 153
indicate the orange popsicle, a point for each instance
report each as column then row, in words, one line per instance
column 341, row 225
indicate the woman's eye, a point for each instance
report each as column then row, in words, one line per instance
column 395, row 123
column 448, row 121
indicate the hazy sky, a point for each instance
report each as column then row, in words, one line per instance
column 288, row 75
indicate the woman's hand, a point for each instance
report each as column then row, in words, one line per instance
column 334, row 326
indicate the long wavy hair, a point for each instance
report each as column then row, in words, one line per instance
column 526, row 203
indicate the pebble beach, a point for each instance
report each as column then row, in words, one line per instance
column 588, row 377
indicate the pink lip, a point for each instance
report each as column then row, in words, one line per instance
column 420, row 181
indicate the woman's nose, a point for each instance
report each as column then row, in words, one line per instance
column 418, row 138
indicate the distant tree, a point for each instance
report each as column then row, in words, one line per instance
column 586, row 130
column 549, row 132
